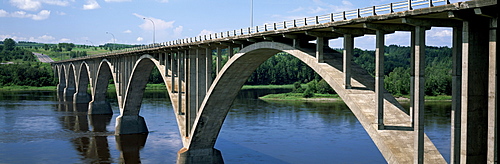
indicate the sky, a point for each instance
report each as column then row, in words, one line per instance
column 97, row 22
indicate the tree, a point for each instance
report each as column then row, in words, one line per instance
column 9, row 44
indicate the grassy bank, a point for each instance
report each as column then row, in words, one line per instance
column 300, row 97
column 27, row 88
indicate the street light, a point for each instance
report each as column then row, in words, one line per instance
column 153, row 28
column 114, row 40
column 251, row 13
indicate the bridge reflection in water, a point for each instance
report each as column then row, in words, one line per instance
column 93, row 145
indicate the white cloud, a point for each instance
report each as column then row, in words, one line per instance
column 117, row 0
column 44, row 14
column 316, row 10
column 297, row 10
column 163, row 1
column 178, row 31
column 4, row 13
column 91, row 4
column 43, row 39
column 140, row 39
column 205, row 32
column 127, row 31
column 159, row 24
column 64, row 40
column 30, row 5
column 35, row 5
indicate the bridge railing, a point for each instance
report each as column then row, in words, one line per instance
column 331, row 17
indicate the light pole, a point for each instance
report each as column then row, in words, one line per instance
column 251, row 13
column 114, row 40
column 153, row 28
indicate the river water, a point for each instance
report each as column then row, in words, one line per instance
column 37, row 128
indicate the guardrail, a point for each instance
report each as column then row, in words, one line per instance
column 345, row 15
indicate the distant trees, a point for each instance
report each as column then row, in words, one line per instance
column 9, row 52
column 27, row 74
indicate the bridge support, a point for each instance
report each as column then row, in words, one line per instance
column 130, row 124
column 418, row 94
column 211, row 155
column 474, row 127
column 379, row 77
column 347, row 57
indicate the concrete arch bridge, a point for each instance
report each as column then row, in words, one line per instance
column 202, row 103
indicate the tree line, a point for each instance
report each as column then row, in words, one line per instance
column 26, row 71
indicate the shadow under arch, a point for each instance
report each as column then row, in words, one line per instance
column 70, row 89
column 98, row 104
column 61, row 75
column 81, row 96
column 230, row 80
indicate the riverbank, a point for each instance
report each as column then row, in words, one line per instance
column 335, row 97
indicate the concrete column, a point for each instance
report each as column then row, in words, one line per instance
column 473, row 148
column 201, row 90
column 180, row 76
column 62, row 79
column 230, row 52
column 348, row 52
column 219, row 61
column 456, row 84
column 492, row 93
column 320, row 49
column 208, row 67
column 173, row 69
column 412, row 77
column 191, row 88
column 418, row 105
column 379, row 77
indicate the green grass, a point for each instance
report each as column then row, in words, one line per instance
column 298, row 96
column 27, row 88
column 290, row 86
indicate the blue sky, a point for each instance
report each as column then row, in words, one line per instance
column 93, row 21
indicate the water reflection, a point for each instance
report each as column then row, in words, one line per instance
column 92, row 134
column 130, row 146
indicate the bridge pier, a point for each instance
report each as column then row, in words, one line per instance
column 99, row 107
column 211, row 155
column 130, row 124
column 81, row 97
column 474, row 127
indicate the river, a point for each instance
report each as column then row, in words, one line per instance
column 37, row 128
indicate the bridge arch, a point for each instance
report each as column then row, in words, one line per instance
column 83, row 80
column 61, row 75
column 129, row 120
column 98, row 104
column 70, row 89
column 235, row 73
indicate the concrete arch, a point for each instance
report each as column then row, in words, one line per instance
column 61, row 75
column 129, row 121
column 81, row 95
column 98, row 104
column 70, row 89
column 232, row 77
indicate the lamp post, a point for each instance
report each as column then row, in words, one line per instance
column 153, row 28
column 251, row 13
column 114, row 40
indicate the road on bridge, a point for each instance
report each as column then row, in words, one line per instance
column 43, row 58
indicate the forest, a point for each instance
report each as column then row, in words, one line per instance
column 280, row 69
column 25, row 71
